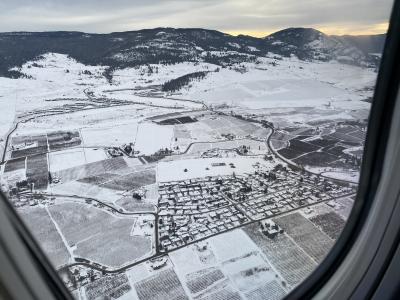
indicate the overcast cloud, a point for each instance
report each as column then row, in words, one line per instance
column 255, row 17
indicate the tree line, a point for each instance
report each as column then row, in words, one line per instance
column 177, row 83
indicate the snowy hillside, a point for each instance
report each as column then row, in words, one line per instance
column 170, row 45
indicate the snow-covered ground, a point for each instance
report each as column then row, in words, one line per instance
column 270, row 83
column 196, row 168
column 291, row 83
column 151, row 137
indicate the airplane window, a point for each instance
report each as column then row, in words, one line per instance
column 189, row 150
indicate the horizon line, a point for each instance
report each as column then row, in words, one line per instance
column 382, row 29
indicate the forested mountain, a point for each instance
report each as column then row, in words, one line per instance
column 170, row 45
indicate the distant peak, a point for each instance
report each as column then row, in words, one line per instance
column 296, row 31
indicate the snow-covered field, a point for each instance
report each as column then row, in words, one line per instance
column 61, row 160
column 288, row 83
column 196, row 168
column 151, row 138
column 65, row 159
column 291, row 83
column 111, row 135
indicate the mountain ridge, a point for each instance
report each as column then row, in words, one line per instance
column 174, row 45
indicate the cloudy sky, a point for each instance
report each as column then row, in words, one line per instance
column 253, row 17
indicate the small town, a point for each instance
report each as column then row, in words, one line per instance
column 195, row 209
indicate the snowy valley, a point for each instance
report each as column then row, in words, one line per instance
column 139, row 165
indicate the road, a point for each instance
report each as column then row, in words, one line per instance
column 7, row 141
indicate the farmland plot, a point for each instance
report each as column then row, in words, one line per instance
column 28, row 151
column 132, row 205
column 358, row 134
column 248, row 271
column 290, row 261
column 28, row 145
column 113, row 135
column 111, row 165
column 346, row 129
column 109, row 287
column 181, row 132
column 330, row 223
column 178, row 120
column 277, row 144
column 289, row 153
column 66, row 159
column 255, row 147
column 302, row 146
column 200, row 132
column 335, row 150
column 225, row 246
column 269, row 291
column 344, row 207
column 345, row 137
column 15, row 164
column 201, row 280
column 164, row 285
column 40, row 224
column 314, row 242
column 12, row 177
column 87, row 191
column 226, row 293
column 99, row 236
column 99, row 179
column 323, row 142
column 37, row 140
column 151, row 137
column 37, row 170
column 316, row 159
column 59, row 140
column 186, row 260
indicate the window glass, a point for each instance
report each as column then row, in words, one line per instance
column 214, row 155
